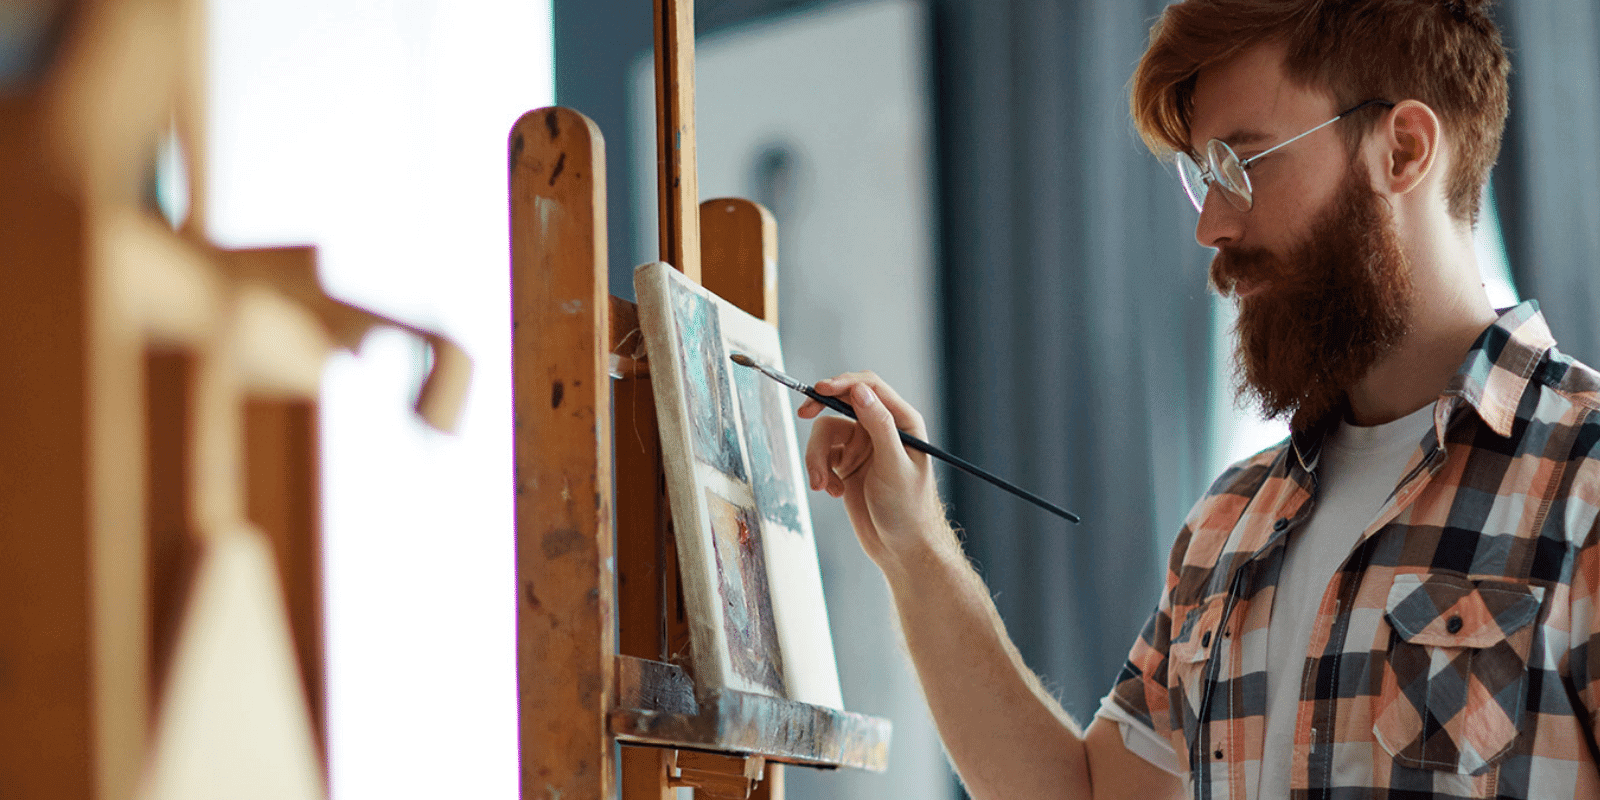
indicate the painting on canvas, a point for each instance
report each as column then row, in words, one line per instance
column 752, row 586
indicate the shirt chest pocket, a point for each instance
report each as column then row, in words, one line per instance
column 1191, row 649
column 1454, row 683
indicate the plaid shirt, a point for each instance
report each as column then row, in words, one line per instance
column 1455, row 651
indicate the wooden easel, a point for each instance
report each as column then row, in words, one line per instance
column 160, row 419
column 601, row 637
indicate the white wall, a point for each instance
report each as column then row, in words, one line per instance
column 376, row 130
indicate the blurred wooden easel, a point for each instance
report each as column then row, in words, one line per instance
column 161, row 629
column 602, row 642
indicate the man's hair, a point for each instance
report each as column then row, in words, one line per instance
column 1446, row 54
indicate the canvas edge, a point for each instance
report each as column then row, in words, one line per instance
column 708, row 640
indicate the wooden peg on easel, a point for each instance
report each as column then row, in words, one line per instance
column 677, row 176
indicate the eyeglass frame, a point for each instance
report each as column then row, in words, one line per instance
column 1197, row 181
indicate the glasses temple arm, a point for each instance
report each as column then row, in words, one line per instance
column 1251, row 160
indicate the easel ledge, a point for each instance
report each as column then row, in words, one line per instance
column 657, row 706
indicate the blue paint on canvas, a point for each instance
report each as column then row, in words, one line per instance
column 765, row 411
column 705, row 378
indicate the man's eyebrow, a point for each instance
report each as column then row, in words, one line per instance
column 1240, row 138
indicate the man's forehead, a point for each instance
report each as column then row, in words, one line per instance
column 1250, row 100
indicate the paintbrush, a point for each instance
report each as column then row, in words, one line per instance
column 910, row 441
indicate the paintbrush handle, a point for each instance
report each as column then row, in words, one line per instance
column 955, row 461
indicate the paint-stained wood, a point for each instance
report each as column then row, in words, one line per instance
column 677, row 177
column 743, row 723
column 739, row 262
column 563, row 481
column 655, row 686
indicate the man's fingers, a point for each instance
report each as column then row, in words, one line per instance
column 839, row 448
column 854, row 453
column 877, row 420
column 827, row 434
column 810, row 408
column 905, row 417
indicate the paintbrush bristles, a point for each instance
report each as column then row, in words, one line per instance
column 745, row 361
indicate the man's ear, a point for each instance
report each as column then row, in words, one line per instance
column 1409, row 139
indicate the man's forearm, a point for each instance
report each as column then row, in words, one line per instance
column 1007, row 736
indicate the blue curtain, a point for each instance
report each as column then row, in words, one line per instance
column 1547, row 183
column 1078, row 323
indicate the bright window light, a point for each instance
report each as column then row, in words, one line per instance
column 377, row 132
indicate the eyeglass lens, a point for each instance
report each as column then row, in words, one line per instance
column 1223, row 168
column 1229, row 173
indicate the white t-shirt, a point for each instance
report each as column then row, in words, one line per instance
column 1358, row 468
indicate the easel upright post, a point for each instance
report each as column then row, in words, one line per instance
column 566, row 645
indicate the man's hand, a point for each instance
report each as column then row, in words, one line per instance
column 1006, row 735
column 888, row 490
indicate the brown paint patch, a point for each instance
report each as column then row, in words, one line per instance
column 528, row 595
column 589, row 687
column 516, row 155
column 558, row 390
column 552, row 121
column 558, row 543
column 745, row 596
column 561, row 164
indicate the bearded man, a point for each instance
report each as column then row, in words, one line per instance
column 1401, row 599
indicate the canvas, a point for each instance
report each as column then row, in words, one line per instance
column 751, row 581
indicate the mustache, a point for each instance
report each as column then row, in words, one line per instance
column 1230, row 266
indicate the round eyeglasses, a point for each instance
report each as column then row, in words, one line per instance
column 1224, row 169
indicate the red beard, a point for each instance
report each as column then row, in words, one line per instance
column 1332, row 307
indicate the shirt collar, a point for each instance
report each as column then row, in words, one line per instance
column 1499, row 366
column 1491, row 380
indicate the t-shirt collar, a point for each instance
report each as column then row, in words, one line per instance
column 1491, row 380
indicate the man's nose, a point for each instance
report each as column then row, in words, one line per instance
column 1220, row 223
